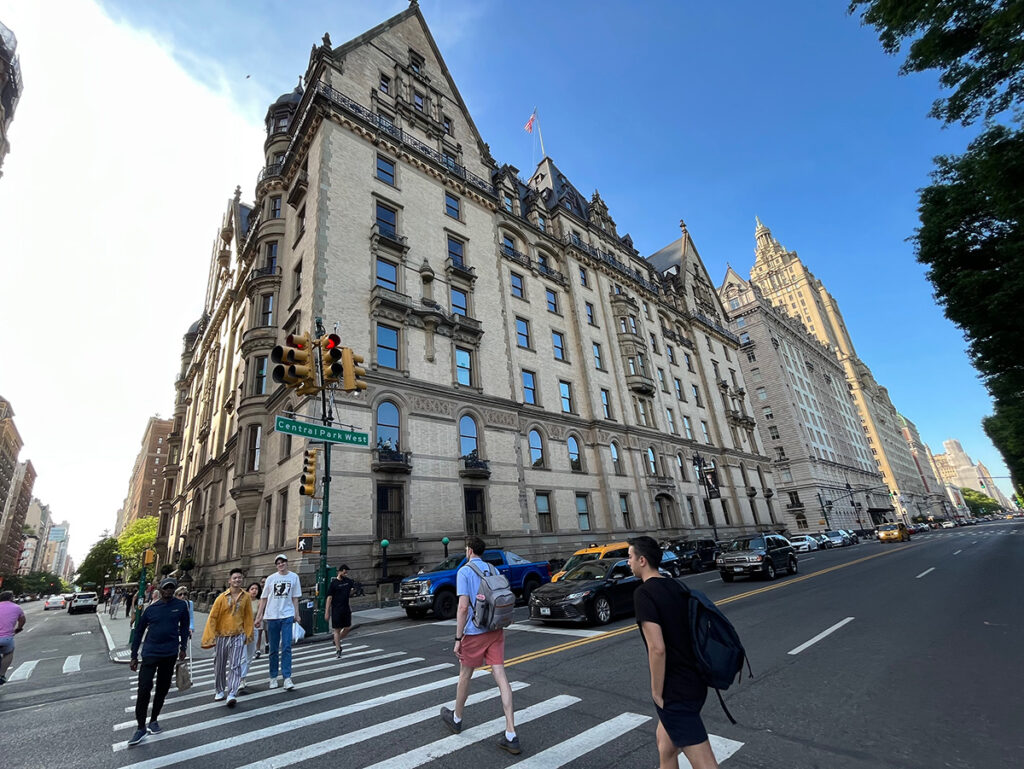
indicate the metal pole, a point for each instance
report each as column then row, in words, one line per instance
column 824, row 512
column 319, row 618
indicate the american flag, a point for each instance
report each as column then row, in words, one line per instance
column 529, row 123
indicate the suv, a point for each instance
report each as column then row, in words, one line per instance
column 765, row 555
column 83, row 602
column 695, row 554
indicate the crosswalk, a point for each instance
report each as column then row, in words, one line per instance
column 68, row 665
column 376, row 703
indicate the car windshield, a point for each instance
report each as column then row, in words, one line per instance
column 587, row 571
column 834, row 534
column 452, row 562
column 87, row 596
column 577, row 559
column 751, row 543
column 887, row 527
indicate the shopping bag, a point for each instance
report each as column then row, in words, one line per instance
column 183, row 671
column 298, row 632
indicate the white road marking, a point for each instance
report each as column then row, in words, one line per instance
column 584, row 742
column 82, row 632
column 23, row 671
column 807, row 558
column 716, row 579
column 579, row 632
column 275, row 730
column 820, row 635
column 926, row 571
column 72, row 664
column 443, row 747
column 958, row 552
column 723, row 747
column 319, row 749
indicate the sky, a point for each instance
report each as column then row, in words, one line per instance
column 138, row 120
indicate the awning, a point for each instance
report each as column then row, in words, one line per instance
column 888, row 509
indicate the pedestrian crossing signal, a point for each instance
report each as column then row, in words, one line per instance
column 308, row 543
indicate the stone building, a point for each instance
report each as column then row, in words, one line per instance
column 10, row 87
column 787, row 283
column 807, row 417
column 39, row 520
column 957, row 468
column 55, row 557
column 531, row 377
column 146, row 484
column 933, row 501
column 13, row 517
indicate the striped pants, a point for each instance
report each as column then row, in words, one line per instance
column 227, row 665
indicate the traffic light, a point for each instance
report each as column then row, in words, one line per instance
column 295, row 364
column 307, row 484
column 148, row 557
column 330, row 354
column 351, row 371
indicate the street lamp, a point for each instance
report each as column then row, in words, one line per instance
column 445, row 541
column 710, row 487
column 384, row 560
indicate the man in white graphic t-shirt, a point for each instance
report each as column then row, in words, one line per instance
column 279, row 606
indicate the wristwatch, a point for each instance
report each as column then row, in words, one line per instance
column 458, row 640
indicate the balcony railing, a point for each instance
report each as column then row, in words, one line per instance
column 474, row 467
column 574, row 240
column 391, row 461
column 795, row 506
column 555, row 275
column 515, row 256
column 268, row 172
column 265, row 272
column 458, row 265
column 706, row 321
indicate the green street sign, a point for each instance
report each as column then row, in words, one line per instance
column 320, row 432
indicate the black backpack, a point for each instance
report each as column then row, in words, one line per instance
column 716, row 644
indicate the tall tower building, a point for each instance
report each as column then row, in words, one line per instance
column 146, row 484
column 39, row 520
column 932, row 502
column 788, row 284
column 13, row 518
column 56, row 558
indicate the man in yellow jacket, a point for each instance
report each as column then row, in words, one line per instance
column 229, row 628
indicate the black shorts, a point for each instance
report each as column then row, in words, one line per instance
column 341, row 619
column 683, row 723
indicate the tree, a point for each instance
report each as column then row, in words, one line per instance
column 978, row 46
column 99, row 562
column 135, row 540
column 980, row 504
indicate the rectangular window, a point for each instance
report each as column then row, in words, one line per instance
column 688, row 427
column 270, row 254
column 661, row 380
column 565, row 393
column 476, row 516
column 598, row 363
column 780, row 453
column 275, row 207
column 460, row 303
column 455, row 252
column 641, row 412
column 696, row 395
column 558, row 343
column 517, row 285
column 543, row 512
column 552, row 300
column 259, row 376
column 387, row 347
column 390, row 513
column 762, row 394
column 670, row 353
column 506, row 202
column 606, row 407
column 583, row 511
column 671, row 420
column 385, row 84
column 654, row 344
column 446, row 123
column 689, row 361
column 773, row 432
column 387, row 274
column 252, row 464
column 452, row 205
column 627, row 519
column 387, row 221
column 523, row 333
column 529, row 388
column 583, row 277
column 417, row 101
column 704, row 429
column 679, row 388
column 297, row 281
column 542, row 224
column 463, row 366
column 590, row 313
column 267, row 310
column 766, row 412
column 386, row 170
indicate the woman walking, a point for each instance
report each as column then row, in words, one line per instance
column 251, row 647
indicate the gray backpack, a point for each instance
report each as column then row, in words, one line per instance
column 494, row 602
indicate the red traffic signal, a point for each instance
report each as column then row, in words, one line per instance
column 330, row 354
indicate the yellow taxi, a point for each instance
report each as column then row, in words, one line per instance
column 893, row 532
column 592, row 553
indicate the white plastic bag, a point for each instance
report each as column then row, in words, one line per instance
column 298, row 632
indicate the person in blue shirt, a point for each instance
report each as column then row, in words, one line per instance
column 162, row 632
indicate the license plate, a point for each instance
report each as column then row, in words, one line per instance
column 737, row 568
column 545, row 611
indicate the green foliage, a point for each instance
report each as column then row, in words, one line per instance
column 977, row 46
column 135, row 539
column 99, row 562
column 980, row 504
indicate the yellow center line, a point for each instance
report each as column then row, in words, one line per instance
column 623, row 630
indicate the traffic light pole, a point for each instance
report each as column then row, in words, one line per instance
column 320, row 621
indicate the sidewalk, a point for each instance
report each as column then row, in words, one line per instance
column 117, row 630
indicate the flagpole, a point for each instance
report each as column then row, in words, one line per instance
column 540, row 135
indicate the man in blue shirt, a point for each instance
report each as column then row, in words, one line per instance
column 164, row 624
column 475, row 646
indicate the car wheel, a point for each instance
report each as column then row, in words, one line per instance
column 601, row 610
column 444, row 605
column 769, row 571
column 696, row 565
column 727, row 577
column 792, row 566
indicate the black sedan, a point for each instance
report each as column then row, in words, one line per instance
column 594, row 591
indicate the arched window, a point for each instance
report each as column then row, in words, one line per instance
column 616, row 462
column 536, row 449
column 388, row 430
column 652, row 462
column 681, row 464
column 574, row 455
column 467, row 436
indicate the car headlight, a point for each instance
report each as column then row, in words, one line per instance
column 720, row 561
column 756, row 558
column 423, row 586
column 577, row 596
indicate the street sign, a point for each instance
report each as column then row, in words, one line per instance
column 320, row 432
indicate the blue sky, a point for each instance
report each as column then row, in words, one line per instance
column 708, row 112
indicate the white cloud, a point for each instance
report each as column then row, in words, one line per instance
column 120, row 167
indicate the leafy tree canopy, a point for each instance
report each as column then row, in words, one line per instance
column 977, row 45
column 980, row 504
column 99, row 562
column 134, row 540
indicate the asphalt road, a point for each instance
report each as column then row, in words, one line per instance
column 921, row 669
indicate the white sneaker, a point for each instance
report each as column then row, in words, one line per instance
column 218, row 696
column 231, row 701
column 241, row 685
column 288, row 684
column 273, row 683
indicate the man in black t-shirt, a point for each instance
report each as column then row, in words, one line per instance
column 338, row 609
column 678, row 692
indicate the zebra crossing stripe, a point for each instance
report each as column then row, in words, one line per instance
column 23, row 671
column 443, row 747
column 319, row 749
column 723, row 747
column 584, row 742
column 73, row 664
column 277, row 729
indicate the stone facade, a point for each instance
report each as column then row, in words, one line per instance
column 145, row 488
column 806, row 414
column 14, row 511
column 531, row 377
column 933, row 501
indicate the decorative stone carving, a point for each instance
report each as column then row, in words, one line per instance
column 426, row 405
column 500, row 418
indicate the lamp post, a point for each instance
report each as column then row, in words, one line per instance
column 384, row 560
column 710, row 489
column 445, row 541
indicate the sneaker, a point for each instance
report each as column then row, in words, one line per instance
column 266, row 649
column 154, row 727
column 241, row 686
column 448, row 719
column 338, row 654
column 231, row 701
column 512, row 746
column 288, row 684
column 139, row 736
column 218, row 696
column 272, row 684
column 257, row 655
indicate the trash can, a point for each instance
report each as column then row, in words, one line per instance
column 306, row 615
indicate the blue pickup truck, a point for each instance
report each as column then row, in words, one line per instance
column 435, row 589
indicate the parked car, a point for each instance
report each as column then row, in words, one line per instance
column 695, row 554
column 838, row 538
column 83, row 602
column 594, row 591
column 893, row 532
column 854, row 539
column 948, row 525
column 804, row 543
column 54, row 602
column 670, row 564
column 764, row 555
column 592, row 553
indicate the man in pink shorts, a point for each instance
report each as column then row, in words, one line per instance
column 475, row 647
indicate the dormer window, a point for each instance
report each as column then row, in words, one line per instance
column 281, row 123
column 416, row 62
column 506, row 202
column 417, row 101
column 446, row 122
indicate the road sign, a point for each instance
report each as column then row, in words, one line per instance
column 320, row 432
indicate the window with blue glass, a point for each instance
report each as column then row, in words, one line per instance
column 387, row 347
